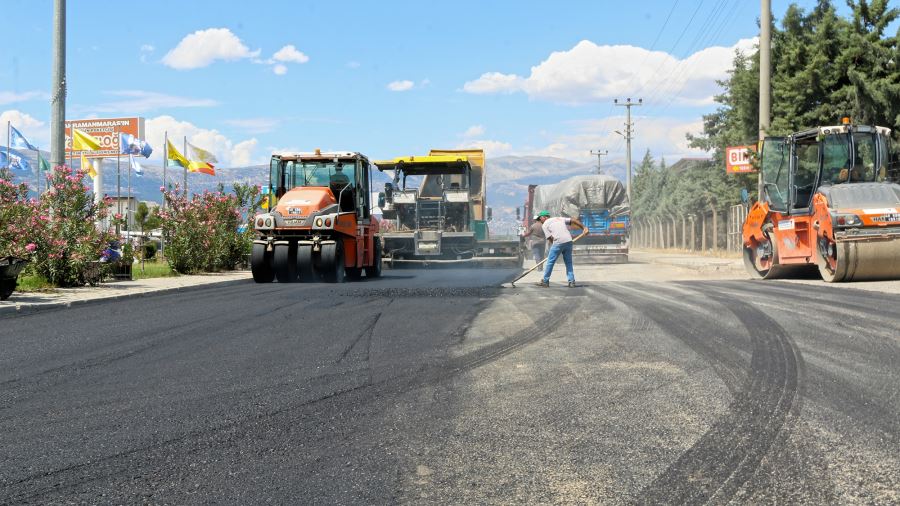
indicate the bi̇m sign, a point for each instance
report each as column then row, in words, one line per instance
column 737, row 159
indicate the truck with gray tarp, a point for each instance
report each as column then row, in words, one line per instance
column 598, row 201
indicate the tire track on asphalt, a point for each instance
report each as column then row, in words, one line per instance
column 727, row 455
column 685, row 318
column 126, row 462
column 870, row 329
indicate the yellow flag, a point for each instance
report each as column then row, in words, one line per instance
column 89, row 165
column 83, row 142
column 175, row 156
column 265, row 203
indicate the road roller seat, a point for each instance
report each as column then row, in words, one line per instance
column 338, row 181
column 848, row 175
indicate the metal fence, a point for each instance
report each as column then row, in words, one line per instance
column 709, row 231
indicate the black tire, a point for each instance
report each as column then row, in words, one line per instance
column 305, row 263
column 7, row 286
column 353, row 273
column 260, row 266
column 285, row 262
column 331, row 262
column 374, row 271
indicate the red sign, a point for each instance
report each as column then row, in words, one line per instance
column 737, row 159
column 105, row 130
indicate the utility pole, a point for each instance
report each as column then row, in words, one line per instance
column 765, row 72
column 599, row 154
column 58, row 87
column 629, row 130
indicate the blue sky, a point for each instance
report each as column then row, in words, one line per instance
column 386, row 78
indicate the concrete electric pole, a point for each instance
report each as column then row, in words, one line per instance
column 765, row 71
column 599, row 154
column 58, row 87
column 628, row 134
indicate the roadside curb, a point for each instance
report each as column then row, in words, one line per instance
column 721, row 267
column 19, row 309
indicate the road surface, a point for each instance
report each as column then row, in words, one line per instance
column 439, row 387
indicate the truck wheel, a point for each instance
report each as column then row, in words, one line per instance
column 354, row 273
column 305, row 263
column 285, row 260
column 260, row 266
column 332, row 263
column 374, row 271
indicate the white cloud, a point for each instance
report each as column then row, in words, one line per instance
column 146, row 51
column 254, row 125
column 404, row 85
column 12, row 97
column 424, row 82
column 290, row 54
column 494, row 82
column 474, row 131
column 203, row 47
column 589, row 73
column 228, row 152
column 279, row 69
column 353, row 64
column 138, row 101
column 242, row 152
column 491, row 148
column 36, row 131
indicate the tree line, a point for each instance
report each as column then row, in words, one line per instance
column 824, row 66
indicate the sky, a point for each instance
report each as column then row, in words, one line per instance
column 387, row 78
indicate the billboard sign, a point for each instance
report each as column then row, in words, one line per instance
column 737, row 159
column 105, row 130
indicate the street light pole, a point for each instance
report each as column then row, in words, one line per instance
column 599, row 154
column 58, row 87
column 628, row 135
column 765, row 72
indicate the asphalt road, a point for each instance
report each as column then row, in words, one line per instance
column 438, row 387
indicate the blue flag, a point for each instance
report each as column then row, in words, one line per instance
column 131, row 145
column 18, row 141
column 14, row 161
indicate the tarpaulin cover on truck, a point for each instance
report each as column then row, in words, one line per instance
column 569, row 197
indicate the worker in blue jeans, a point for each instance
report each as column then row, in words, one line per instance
column 556, row 230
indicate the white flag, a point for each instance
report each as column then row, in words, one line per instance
column 135, row 166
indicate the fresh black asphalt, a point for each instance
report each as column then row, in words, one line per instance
column 437, row 386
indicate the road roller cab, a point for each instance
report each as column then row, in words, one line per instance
column 826, row 204
column 319, row 224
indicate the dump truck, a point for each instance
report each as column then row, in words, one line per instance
column 435, row 212
column 599, row 202
column 319, row 224
column 826, row 204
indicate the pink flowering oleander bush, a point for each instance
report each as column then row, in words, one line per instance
column 201, row 233
column 70, row 239
column 20, row 219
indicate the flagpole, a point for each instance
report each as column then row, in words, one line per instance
column 185, row 169
column 118, row 177
column 162, row 238
column 128, row 208
column 165, row 164
column 37, row 186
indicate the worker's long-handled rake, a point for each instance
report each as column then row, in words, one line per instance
column 529, row 271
